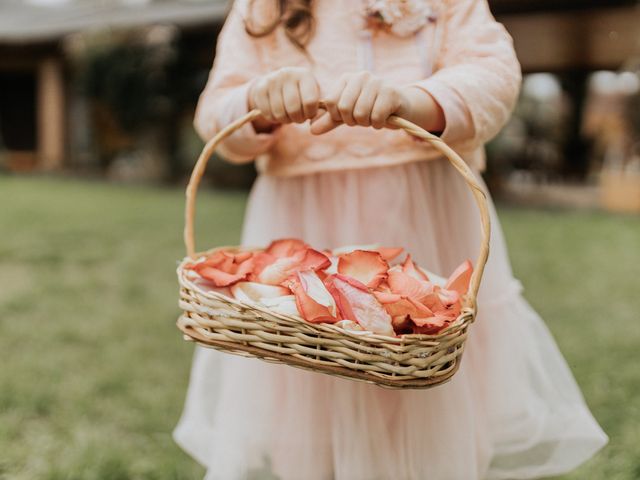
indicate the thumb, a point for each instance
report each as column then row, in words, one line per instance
column 323, row 123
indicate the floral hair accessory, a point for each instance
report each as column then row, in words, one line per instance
column 400, row 17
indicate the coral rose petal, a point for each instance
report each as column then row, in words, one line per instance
column 350, row 248
column 448, row 297
column 333, row 268
column 285, row 304
column 434, row 321
column 460, row 278
column 367, row 267
column 255, row 291
column 407, row 285
column 387, row 297
column 350, row 325
column 358, row 304
column 285, row 247
column 410, row 268
column 262, row 260
column 242, row 256
column 316, row 289
column 309, row 309
column 433, row 302
column 314, row 260
column 220, row 278
column 389, row 253
column 278, row 271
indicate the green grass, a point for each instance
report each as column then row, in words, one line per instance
column 93, row 371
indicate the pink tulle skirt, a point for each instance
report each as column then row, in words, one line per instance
column 512, row 411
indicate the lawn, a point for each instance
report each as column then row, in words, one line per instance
column 93, row 371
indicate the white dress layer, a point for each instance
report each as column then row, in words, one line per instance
column 513, row 410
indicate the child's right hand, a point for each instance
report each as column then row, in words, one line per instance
column 288, row 95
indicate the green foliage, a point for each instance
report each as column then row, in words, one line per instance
column 131, row 77
column 94, row 372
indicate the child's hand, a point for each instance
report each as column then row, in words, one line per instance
column 288, row 95
column 366, row 100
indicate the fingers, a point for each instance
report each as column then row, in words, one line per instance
column 276, row 103
column 331, row 101
column 309, row 95
column 323, row 124
column 286, row 95
column 260, row 100
column 349, row 97
column 360, row 99
column 384, row 106
column 363, row 108
column 292, row 102
column 292, row 95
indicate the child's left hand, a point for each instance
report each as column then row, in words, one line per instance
column 366, row 100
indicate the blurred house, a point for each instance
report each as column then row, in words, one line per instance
column 35, row 94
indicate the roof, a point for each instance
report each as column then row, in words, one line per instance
column 527, row 6
column 22, row 22
column 46, row 20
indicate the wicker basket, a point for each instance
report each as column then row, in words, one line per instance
column 409, row 361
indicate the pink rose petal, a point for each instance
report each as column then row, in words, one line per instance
column 368, row 268
column 460, row 278
column 356, row 303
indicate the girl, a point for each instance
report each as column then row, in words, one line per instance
column 513, row 410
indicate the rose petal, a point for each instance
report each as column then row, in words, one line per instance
column 460, row 278
column 448, row 297
column 242, row 256
column 333, row 268
column 387, row 297
column 407, row 285
column 368, row 268
column 313, row 260
column 207, row 285
column 351, row 281
column 278, row 271
column 402, row 324
column 285, row 247
column 405, row 306
column 435, row 279
column 410, row 268
column 316, row 289
column 350, row 248
column 433, row 302
column 432, row 325
column 356, row 303
column 255, row 291
column 350, row 325
column 220, row 278
column 310, row 307
column 387, row 253
column 285, row 304
column 224, row 268
column 433, row 321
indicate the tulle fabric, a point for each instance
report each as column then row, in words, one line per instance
column 513, row 410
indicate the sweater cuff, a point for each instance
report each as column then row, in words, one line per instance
column 458, row 122
column 244, row 144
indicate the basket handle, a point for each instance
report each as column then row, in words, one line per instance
column 411, row 128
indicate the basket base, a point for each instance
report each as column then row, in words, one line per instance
column 343, row 372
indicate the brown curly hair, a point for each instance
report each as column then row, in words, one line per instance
column 295, row 17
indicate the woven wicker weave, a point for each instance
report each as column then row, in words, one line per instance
column 409, row 361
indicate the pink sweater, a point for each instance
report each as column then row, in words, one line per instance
column 464, row 59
